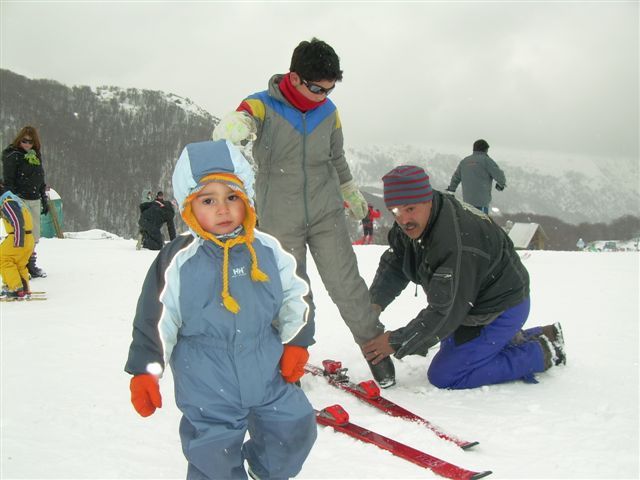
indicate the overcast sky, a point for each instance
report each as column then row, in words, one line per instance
column 547, row 76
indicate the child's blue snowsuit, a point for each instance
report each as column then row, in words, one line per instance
column 225, row 365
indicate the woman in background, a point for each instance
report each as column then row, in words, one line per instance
column 24, row 176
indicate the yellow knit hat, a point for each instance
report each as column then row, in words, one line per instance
column 246, row 237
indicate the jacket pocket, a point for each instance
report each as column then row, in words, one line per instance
column 440, row 293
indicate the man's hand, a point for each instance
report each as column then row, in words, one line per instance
column 378, row 349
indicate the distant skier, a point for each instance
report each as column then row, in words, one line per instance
column 153, row 215
column 222, row 306
column 17, row 247
column 477, row 173
column 367, row 224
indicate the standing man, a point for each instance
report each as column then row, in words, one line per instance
column 302, row 180
column 477, row 173
column 477, row 290
column 153, row 215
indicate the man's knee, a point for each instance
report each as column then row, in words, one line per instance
column 440, row 377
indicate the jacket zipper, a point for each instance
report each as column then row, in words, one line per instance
column 304, row 167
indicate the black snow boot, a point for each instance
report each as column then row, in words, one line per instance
column 384, row 373
column 34, row 271
column 553, row 352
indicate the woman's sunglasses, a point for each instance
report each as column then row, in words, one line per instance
column 27, row 141
column 317, row 89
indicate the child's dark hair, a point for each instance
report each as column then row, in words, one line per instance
column 315, row 61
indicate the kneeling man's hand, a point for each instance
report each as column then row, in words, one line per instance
column 378, row 349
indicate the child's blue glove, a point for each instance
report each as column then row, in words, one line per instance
column 357, row 204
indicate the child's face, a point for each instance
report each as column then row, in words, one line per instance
column 218, row 209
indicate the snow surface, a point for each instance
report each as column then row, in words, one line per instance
column 65, row 398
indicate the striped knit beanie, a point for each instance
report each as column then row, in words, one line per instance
column 405, row 185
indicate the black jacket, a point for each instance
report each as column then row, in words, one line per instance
column 154, row 214
column 465, row 263
column 21, row 177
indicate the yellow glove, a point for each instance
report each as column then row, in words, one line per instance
column 357, row 204
column 235, row 127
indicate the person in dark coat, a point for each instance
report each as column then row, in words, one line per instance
column 23, row 174
column 153, row 215
column 477, row 173
column 476, row 286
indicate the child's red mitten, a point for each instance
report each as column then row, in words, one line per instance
column 292, row 362
column 145, row 394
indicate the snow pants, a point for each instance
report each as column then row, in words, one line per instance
column 13, row 261
column 330, row 245
column 281, row 433
column 221, row 401
column 489, row 358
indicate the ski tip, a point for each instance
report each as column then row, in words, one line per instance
column 469, row 445
column 482, row 474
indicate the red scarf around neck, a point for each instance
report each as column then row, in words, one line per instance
column 294, row 97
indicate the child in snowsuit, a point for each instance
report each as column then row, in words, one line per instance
column 222, row 305
column 17, row 247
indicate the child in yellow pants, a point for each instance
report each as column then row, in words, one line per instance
column 17, row 247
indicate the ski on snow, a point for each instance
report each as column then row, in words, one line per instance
column 338, row 419
column 369, row 392
column 27, row 298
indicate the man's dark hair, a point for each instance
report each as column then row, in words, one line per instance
column 316, row 61
column 159, row 194
column 480, row 146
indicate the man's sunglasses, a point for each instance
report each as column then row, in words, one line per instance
column 317, row 89
column 27, row 141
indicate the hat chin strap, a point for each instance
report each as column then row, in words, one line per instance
column 247, row 238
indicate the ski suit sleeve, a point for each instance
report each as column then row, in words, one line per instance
column 495, row 171
column 12, row 212
column 449, row 298
column 157, row 318
column 389, row 280
column 292, row 315
column 337, row 153
column 9, row 170
column 455, row 179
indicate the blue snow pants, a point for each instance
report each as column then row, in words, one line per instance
column 281, row 433
column 489, row 358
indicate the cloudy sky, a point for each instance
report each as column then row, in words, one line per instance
column 540, row 76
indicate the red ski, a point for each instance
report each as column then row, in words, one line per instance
column 338, row 419
column 369, row 392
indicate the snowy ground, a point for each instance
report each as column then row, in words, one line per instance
column 65, row 397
